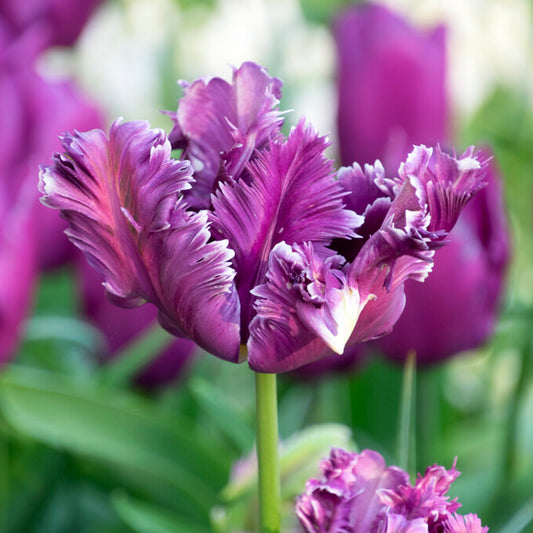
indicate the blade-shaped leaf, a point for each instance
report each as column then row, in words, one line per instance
column 118, row 429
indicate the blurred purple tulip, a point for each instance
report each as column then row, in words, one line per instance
column 391, row 83
column 60, row 22
column 17, row 263
column 34, row 112
column 122, row 326
column 391, row 86
column 359, row 493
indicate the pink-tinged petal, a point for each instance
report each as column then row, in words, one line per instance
column 346, row 498
column 444, row 182
column 113, row 192
column 439, row 323
column 427, row 499
column 120, row 196
column 396, row 523
column 391, row 85
column 221, row 124
column 292, row 197
column 469, row 523
column 304, row 308
column 197, row 291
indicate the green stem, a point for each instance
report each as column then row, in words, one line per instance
column 136, row 354
column 406, row 409
column 267, row 453
column 509, row 461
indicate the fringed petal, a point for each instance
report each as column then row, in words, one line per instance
column 113, row 192
column 444, row 182
column 220, row 124
column 120, row 196
column 304, row 310
column 197, row 292
column 292, row 197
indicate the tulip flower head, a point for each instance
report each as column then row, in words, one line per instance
column 360, row 494
column 252, row 238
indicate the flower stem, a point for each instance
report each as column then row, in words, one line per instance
column 406, row 411
column 267, row 453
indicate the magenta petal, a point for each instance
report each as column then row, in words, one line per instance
column 396, row 523
column 444, row 182
column 469, row 523
column 113, row 192
column 197, row 292
column 120, row 197
column 216, row 117
column 347, row 499
column 304, row 309
column 17, row 266
column 292, row 197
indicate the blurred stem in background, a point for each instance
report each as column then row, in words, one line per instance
column 136, row 355
column 405, row 419
column 511, row 433
column 267, row 453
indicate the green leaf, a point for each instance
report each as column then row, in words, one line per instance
column 146, row 518
column 226, row 417
column 120, row 429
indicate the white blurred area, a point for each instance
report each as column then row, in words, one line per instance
column 133, row 51
column 490, row 43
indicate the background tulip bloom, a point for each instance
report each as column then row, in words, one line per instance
column 360, row 494
column 17, row 264
column 274, row 261
column 34, row 112
column 391, row 85
column 59, row 21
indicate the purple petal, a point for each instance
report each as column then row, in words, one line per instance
column 60, row 20
column 444, row 182
column 391, row 85
column 304, row 308
column 114, row 192
column 396, row 523
column 292, row 197
column 197, row 291
column 346, row 498
column 17, row 266
column 427, row 499
column 216, row 117
column 120, row 197
column 439, row 323
column 469, row 523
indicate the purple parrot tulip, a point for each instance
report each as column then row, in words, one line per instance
column 267, row 247
column 121, row 326
column 58, row 21
column 360, row 494
column 391, row 85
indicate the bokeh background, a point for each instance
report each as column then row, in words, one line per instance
column 150, row 445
